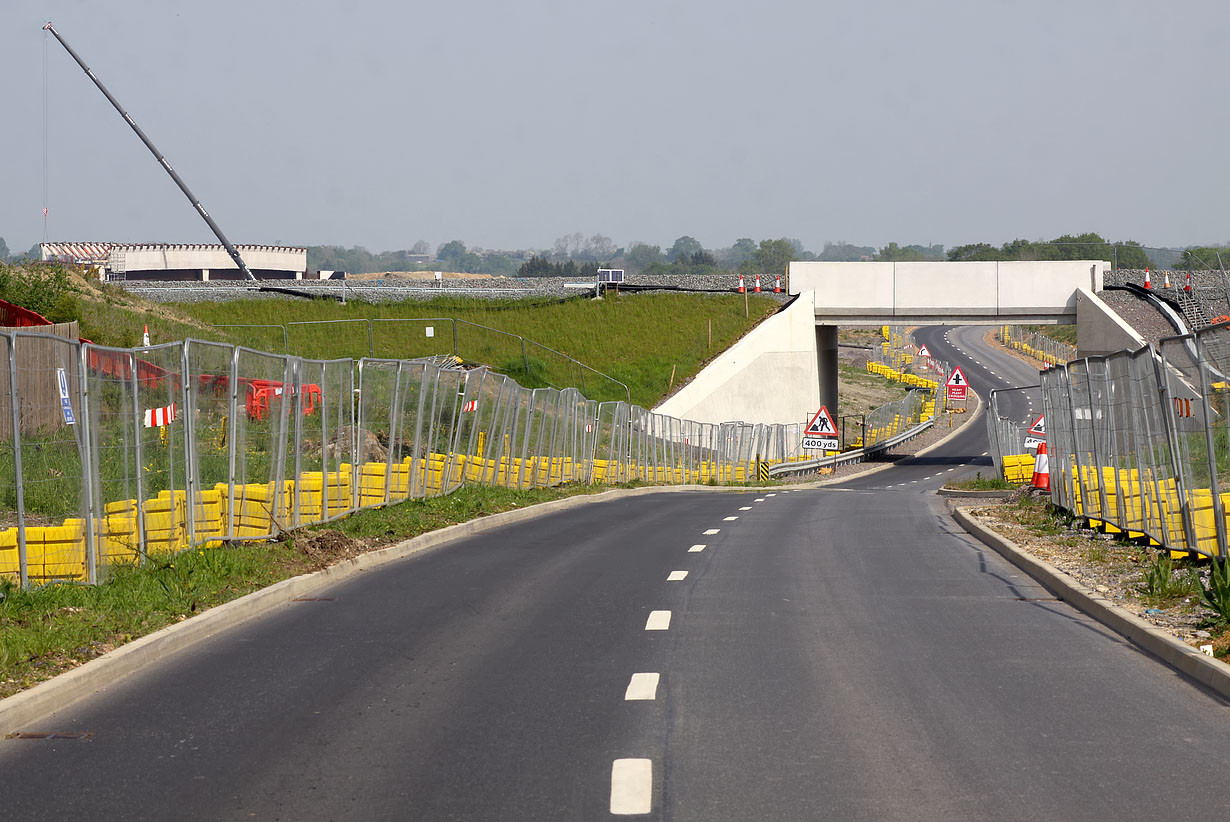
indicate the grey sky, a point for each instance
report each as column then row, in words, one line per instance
column 506, row 125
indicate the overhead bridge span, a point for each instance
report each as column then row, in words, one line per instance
column 787, row 367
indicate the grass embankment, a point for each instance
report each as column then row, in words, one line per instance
column 49, row 630
column 640, row 340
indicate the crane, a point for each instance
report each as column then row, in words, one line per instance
column 230, row 249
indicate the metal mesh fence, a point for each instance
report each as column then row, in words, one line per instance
column 1139, row 442
column 115, row 456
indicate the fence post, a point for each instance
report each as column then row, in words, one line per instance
column 1219, row 515
column 15, row 408
column 138, row 421
column 88, row 468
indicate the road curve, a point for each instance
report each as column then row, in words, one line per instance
column 831, row 653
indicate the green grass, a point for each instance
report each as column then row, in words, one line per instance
column 637, row 339
column 981, row 483
column 1064, row 333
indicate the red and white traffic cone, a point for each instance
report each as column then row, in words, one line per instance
column 742, row 290
column 1042, row 470
column 1166, row 281
column 757, row 283
column 777, row 287
column 1148, row 282
column 145, row 336
column 1188, row 286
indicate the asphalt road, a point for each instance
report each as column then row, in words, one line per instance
column 834, row 653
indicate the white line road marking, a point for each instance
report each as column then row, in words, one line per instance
column 952, row 469
column 658, row 621
column 642, row 686
column 729, row 519
column 631, row 786
column 696, row 549
column 677, row 576
column 785, row 492
column 712, row 531
column 759, row 499
column 746, row 508
column 770, row 495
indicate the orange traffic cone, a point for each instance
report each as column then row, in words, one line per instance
column 777, row 288
column 1166, row 280
column 145, row 336
column 1042, row 470
column 757, row 283
column 1148, row 282
column 742, row 290
column 1188, row 286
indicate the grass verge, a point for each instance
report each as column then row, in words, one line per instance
column 980, row 483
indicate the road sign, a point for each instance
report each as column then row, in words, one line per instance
column 1036, row 435
column 66, row 406
column 821, row 434
column 957, row 384
column 924, row 352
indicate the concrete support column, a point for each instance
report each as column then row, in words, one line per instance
column 204, row 275
column 826, row 366
column 298, row 275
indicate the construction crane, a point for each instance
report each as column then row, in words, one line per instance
column 230, row 249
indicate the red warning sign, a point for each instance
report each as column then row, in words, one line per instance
column 924, row 352
column 821, row 433
column 957, row 384
column 1036, row 435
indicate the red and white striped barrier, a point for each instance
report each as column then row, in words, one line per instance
column 158, row 417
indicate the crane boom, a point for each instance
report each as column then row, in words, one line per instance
column 230, row 249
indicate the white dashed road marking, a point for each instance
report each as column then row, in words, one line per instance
column 677, row 576
column 712, row 531
column 729, row 519
column 759, row 499
column 642, row 686
column 658, row 621
column 746, row 508
column 696, row 549
column 631, row 786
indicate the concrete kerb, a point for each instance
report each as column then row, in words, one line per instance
column 97, row 674
column 1205, row 670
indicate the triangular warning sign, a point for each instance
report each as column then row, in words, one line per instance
column 924, row 352
column 1038, row 429
column 957, row 378
column 821, row 425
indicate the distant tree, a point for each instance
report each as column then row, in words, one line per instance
column 640, row 256
column 420, row 247
column 895, row 253
column 743, row 249
column 451, row 251
column 685, row 246
column 700, row 259
column 1129, row 254
column 773, row 256
column 4, row 250
column 599, row 248
column 1204, row 257
column 842, row 251
column 975, row 251
column 568, row 247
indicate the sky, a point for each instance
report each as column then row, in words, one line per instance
column 508, row 125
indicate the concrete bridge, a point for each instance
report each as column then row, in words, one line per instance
column 787, row 367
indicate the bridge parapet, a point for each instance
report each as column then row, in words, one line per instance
column 873, row 293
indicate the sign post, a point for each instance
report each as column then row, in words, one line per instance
column 821, row 434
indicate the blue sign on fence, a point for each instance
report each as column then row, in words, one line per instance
column 65, row 405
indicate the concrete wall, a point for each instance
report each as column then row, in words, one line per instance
column 874, row 293
column 133, row 259
column 769, row 376
column 1099, row 330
